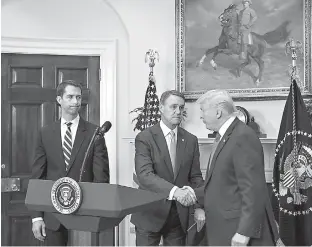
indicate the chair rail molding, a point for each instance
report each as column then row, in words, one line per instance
column 268, row 149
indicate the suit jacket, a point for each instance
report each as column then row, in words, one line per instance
column 49, row 161
column 155, row 173
column 235, row 195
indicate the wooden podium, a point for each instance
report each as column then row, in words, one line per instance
column 103, row 205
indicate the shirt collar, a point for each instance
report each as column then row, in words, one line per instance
column 167, row 130
column 225, row 126
column 75, row 121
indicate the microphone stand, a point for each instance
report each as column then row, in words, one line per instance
column 87, row 152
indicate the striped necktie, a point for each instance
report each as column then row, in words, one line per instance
column 173, row 150
column 67, row 145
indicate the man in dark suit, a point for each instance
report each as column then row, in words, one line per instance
column 167, row 161
column 235, row 195
column 60, row 151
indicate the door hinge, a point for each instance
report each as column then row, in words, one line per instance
column 100, row 75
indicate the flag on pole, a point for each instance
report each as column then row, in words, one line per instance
column 149, row 114
column 292, row 174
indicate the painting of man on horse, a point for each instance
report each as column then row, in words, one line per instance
column 237, row 37
column 249, row 52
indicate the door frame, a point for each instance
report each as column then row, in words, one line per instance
column 106, row 50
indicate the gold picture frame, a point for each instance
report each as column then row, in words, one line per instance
column 191, row 35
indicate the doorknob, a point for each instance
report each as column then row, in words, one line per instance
column 2, row 166
column 14, row 187
column 10, row 184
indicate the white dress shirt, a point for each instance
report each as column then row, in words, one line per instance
column 225, row 126
column 166, row 132
column 73, row 129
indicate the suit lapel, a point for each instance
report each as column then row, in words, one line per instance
column 181, row 145
column 162, row 145
column 220, row 146
column 80, row 136
column 56, row 135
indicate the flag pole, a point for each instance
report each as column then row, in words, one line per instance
column 150, row 57
column 292, row 47
column 292, row 172
column 149, row 113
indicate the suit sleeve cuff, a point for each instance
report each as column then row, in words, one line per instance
column 170, row 198
column 197, row 205
column 36, row 219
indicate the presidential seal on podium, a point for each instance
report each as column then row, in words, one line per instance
column 66, row 195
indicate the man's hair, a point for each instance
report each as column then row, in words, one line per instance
column 218, row 98
column 165, row 95
column 61, row 87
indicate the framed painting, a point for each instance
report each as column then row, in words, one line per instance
column 209, row 43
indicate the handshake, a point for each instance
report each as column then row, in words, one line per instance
column 185, row 195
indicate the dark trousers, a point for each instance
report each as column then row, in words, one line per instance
column 56, row 238
column 172, row 232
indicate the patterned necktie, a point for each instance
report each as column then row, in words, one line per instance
column 67, row 145
column 172, row 149
column 213, row 149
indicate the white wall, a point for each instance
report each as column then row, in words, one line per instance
column 150, row 24
column 267, row 115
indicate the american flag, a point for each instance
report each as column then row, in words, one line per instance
column 149, row 113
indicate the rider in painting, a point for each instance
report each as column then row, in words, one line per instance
column 247, row 18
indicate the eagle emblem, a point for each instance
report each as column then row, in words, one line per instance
column 66, row 195
column 297, row 176
column 294, row 186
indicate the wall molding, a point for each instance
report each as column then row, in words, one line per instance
column 202, row 141
column 267, row 143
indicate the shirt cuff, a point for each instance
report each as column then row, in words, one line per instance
column 170, row 198
column 36, row 219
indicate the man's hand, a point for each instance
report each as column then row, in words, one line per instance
column 192, row 193
column 200, row 218
column 239, row 240
column 185, row 196
column 38, row 228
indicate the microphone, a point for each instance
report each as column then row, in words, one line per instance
column 105, row 128
column 98, row 133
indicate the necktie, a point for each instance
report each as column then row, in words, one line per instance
column 172, row 149
column 213, row 149
column 67, row 145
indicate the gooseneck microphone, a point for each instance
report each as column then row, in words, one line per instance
column 98, row 133
column 105, row 128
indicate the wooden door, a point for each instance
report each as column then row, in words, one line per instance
column 28, row 91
